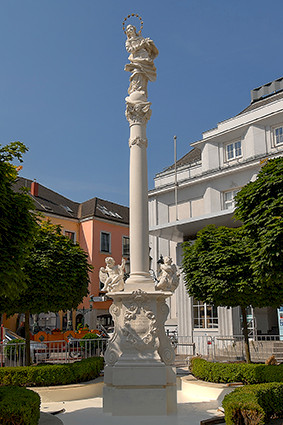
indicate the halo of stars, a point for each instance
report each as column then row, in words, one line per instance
column 133, row 15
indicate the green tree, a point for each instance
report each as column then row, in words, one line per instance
column 259, row 205
column 17, row 223
column 217, row 270
column 58, row 277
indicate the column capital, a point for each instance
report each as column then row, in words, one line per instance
column 137, row 112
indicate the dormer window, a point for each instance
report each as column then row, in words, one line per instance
column 233, row 150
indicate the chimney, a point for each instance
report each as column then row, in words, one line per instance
column 34, row 188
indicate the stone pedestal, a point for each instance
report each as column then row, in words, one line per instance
column 139, row 378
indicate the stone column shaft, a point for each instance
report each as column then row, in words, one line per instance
column 138, row 113
column 138, row 209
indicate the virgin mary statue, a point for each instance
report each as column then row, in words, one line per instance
column 142, row 53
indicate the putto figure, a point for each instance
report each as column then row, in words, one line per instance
column 142, row 53
column 112, row 276
column 169, row 276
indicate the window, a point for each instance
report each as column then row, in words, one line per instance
column 71, row 235
column 205, row 315
column 278, row 136
column 126, row 246
column 105, row 242
column 233, row 150
column 229, row 199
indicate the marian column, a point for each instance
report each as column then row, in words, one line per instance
column 142, row 53
column 139, row 379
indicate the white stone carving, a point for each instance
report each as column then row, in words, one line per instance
column 142, row 53
column 138, row 141
column 169, row 276
column 140, row 322
column 113, row 350
column 138, row 113
column 112, row 276
column 165, row 349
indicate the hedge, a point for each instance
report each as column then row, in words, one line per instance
column 253, row 404
column 235, row 372
column 19, row 406
column 48, row 375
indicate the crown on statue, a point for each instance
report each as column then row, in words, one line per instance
column 133, row 15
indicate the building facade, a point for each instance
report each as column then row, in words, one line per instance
column 208, row 178
column 101, row 228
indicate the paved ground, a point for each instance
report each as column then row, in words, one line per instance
column 89, row 412
column 47, row 419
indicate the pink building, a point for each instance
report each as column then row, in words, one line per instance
column 102, row 230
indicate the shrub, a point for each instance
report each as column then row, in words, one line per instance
column 19, row 406
column 235, row 372
column 48, row 375
column 253, row 404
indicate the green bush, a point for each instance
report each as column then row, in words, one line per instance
column 235, row 372
column 253, row 404
column 19, row 406
column 48, row 375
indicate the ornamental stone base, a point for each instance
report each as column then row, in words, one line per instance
column 139, row 378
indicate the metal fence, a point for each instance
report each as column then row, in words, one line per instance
column 13, row 354
column 214, row 348
column 230, row 348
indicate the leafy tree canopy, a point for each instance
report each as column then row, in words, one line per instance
column 259, row 205
column 17, row 223
column 217, row 267
column 57, row 271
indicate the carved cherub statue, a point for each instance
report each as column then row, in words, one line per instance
column 169, row 276
column 112, row 276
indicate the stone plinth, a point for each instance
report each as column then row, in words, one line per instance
column 139, row 378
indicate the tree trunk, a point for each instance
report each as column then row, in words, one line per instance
column 69, row 320
column 27, row 336
column 245, row 332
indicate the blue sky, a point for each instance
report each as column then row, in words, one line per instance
column 63, row 84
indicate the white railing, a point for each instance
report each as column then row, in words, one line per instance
column 227, row 348
column 13, row 354
column 214, row 348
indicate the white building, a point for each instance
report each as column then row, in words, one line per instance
column 208, row 177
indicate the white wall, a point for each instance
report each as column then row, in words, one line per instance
column 200, row 192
